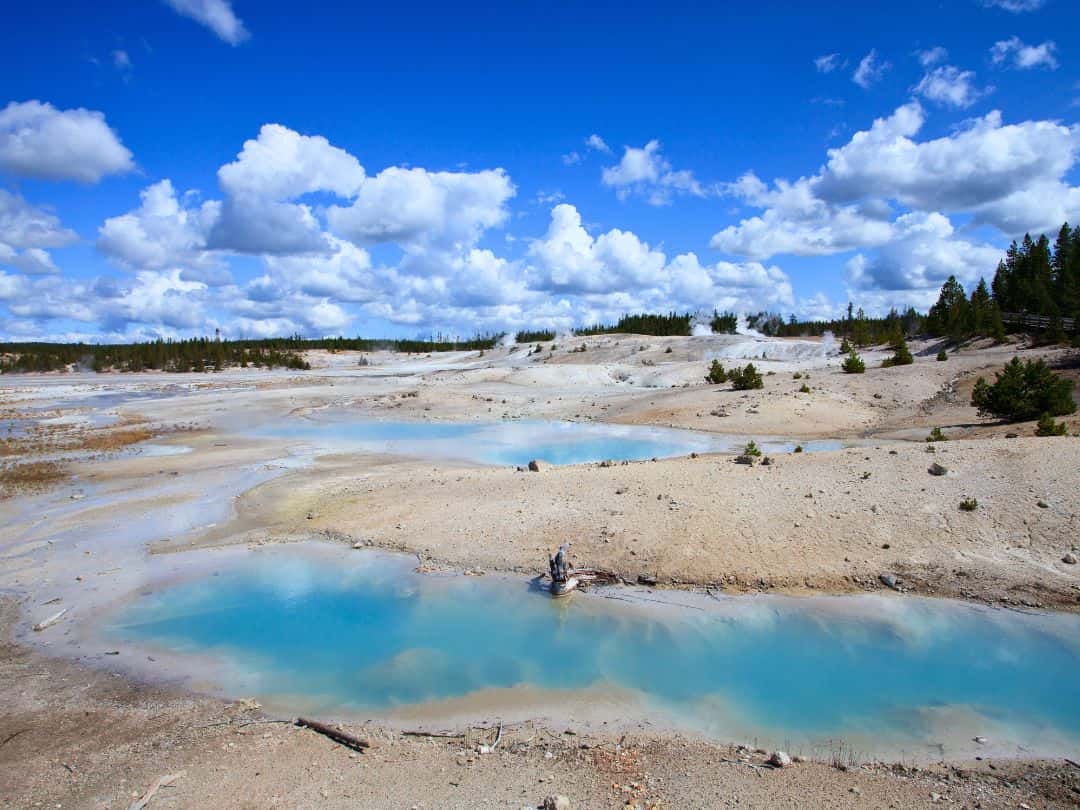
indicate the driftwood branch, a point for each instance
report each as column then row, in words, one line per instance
column 341, row 737
column 419, row 733
column 12, row 736
column 140, row 803
column 49, row 622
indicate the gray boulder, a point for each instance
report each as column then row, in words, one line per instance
column 779, row 759
column 889, row 581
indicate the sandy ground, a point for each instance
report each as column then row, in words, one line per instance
column 830, row 521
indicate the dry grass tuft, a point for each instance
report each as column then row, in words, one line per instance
column 104, row 440
column 30, row 476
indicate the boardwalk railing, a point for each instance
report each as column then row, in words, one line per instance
column 1037, row 321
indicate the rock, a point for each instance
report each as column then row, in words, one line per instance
column 889, row 581
column 779, row 759
column 1012, row 435
column 1043, row 505
column 1069, row 558
column 936, row 469
column 556, row 803
column 748, row 460
column 979, row 740
column 534, row 466
column 767, row 461
column 310, row 515
column 647, row 579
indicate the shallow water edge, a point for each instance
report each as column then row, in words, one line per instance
column 730, row 668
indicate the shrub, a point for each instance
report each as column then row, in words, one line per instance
column 752, row 449
column 746, row 379
column 804, row 389
column 937, row 436
column 845, row 347
column 942, row 356
column 1048, row 427
column 797, row 375
column 798, row 449
column 969, row 505
column 901, row 354
column 853, row 364
column 1024, row 391
column 717, row 375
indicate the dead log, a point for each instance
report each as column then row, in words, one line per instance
column 338, row 736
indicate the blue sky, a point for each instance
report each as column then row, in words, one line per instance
column 168, row 167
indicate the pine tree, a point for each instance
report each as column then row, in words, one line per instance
column 950, row 317
column 980, row 309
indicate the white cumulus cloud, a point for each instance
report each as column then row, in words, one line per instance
column 1015, row 53
column 41, row 142
column 260, row 213
column 870, row 70
column 162, row 232
column 828, row 63
column 950, row 86
column 25, row 232
column 594, row 141
column 416, row 207
column 1015, row 6
column 217, row 15
column 646, row 172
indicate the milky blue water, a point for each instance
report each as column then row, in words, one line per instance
column 517, row 442
column 363, row 633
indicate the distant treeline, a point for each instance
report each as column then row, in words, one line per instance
column 724, row 322
column 856, row 326
column 644, row 324
column 535, row 336
column 205, row 354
